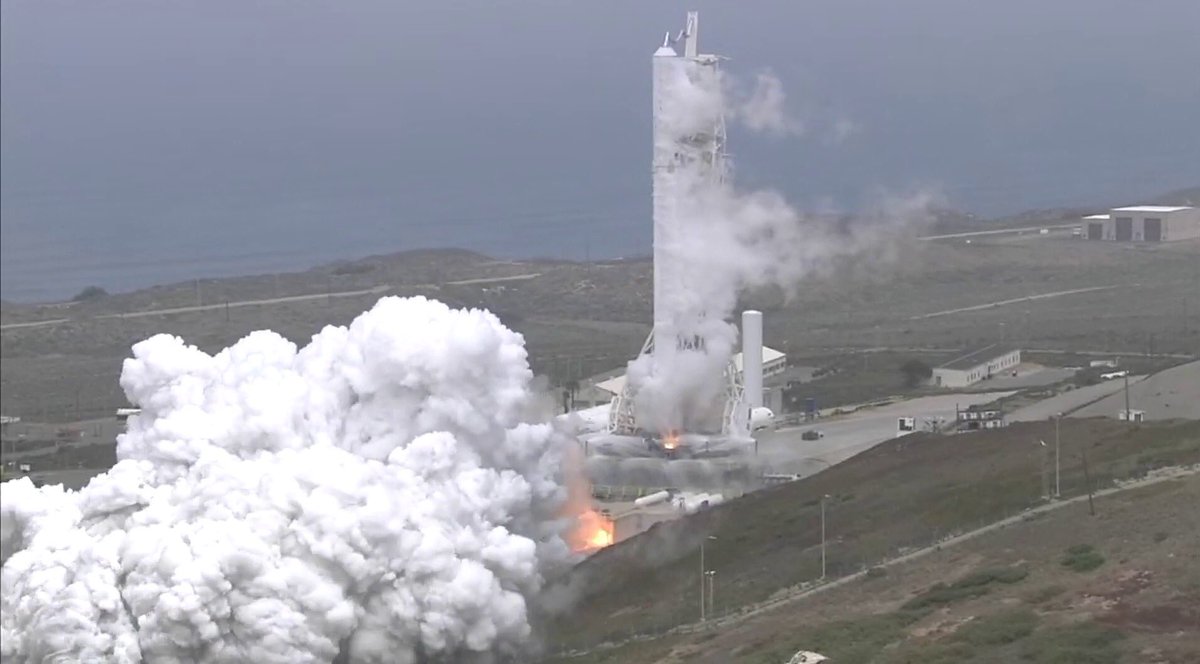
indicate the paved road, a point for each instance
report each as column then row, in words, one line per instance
column 209, row 307
column 998, row 231
column 1029, row 376
column 1015, row 300
column 252, row 303
column 1048, row 351
column 846, row 436
column 494, row 280
column 783, row 451
column 1174, row 393
column 377, row 290
column 1069, row 402
column 1108, row 353
column 36, row 323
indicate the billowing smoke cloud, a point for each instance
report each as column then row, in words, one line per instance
column 376, row 496
column 719, row 240
column 765, row 109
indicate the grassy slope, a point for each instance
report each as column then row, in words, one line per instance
column 580, row 319
column 902, row 494
column 1006, row 596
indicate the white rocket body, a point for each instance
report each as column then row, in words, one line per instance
column 679, row 156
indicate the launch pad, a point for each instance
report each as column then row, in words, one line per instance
column 669, row 447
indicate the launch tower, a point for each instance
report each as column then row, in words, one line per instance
column 688, row 151
column 686, row 141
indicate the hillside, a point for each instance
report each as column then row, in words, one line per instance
column 579, row 319
column 1066, row 587
column 1187, row 196
column 895, row 498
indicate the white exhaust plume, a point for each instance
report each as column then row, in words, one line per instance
column 764, row 110
column 713, row 241
column 375, row 496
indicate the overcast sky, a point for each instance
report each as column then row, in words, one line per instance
column 159, row 140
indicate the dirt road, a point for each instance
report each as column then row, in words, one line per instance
column 376, row 290
column 1015, row 300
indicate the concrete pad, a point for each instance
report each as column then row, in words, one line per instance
column 784, row 451
column 1032, row 376
column 1069, row 402
column 1170, row 394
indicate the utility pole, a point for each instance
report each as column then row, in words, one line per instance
column 712, row 594
column 823, row 536
column 1045, row 480
column 1057, row 477
column 1087, row 478
column 702, row 575
column 1128, row 415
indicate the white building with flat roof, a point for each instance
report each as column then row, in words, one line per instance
column 976, row 365
column 1144, row 223
column 1093, row 226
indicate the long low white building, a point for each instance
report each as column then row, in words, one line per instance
column 1144, row 223
column 976, row 365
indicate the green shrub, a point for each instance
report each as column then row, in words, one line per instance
column 941, row 594
column 1044, row 594
column 932, row 653
column 90, row 293
column 1082, row 558
column 998, row 628
column 985, row 577
column 1160, row 536
column 972, row 585
column 851, row 641
column 1085, row 643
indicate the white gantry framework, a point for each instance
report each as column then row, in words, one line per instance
column 689, row 151
column 735, row 417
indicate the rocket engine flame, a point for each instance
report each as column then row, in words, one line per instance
column 586, row 530
column 593, row 531
column 670, row 441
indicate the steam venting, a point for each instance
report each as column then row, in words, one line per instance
column 714, row 240
column 376, row 496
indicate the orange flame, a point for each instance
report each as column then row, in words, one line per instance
column 593, row 531
column 587, row 530
column 670, row 441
